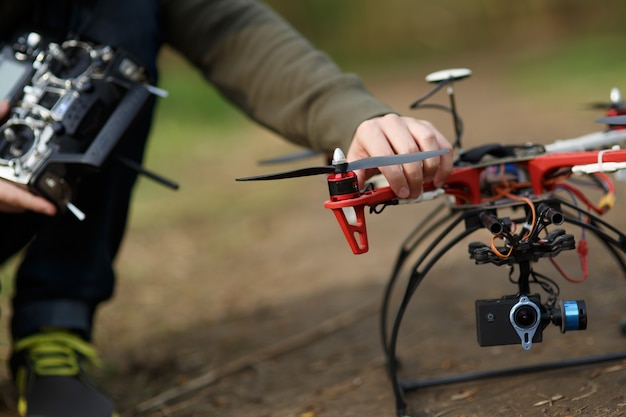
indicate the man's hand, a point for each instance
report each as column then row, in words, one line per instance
column 15, row 199
column 392, row 134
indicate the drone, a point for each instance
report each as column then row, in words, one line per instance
column 522, row 195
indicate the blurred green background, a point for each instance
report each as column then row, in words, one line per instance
column 542, row 45
column 393, row 31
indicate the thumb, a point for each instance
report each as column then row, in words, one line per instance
column 4, row 108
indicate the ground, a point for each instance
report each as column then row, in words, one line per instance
column 262, row 310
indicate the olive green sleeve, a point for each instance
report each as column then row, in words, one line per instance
column 262, row 65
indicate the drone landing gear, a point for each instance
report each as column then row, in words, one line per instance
column 527, row 248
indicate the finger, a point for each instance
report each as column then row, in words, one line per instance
column 408, row 135
column 369, row 140
column 402, row 141
column 7, row 208
column 14, row 199
column 4, row 109
column 428, row 138
column 38, row 205
column 446, row 163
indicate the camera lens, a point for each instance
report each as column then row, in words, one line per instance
column 525, row 317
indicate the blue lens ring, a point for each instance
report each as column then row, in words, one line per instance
column 572, row 317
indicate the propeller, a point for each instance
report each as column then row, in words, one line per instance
column 341, row 165
column 615, row 102
column 601, row 105
column 613, row 120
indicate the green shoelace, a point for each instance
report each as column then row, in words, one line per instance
column 52, row 353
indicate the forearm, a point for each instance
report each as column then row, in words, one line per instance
column 260, row 63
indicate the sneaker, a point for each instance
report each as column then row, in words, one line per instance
column 50, row 374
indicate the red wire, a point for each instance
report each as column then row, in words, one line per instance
column 607, row 181
column 582, row 255
column 582, row 197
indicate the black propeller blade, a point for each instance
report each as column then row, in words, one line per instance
column 615, row 101
column 302, row 172
column 382, row 161
column 613, row 120
column 341, row 165
column 605, row 106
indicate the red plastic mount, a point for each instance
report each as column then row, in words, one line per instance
column 355, row 229
column 463, row 182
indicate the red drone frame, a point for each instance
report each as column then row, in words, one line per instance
column 466, row 185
